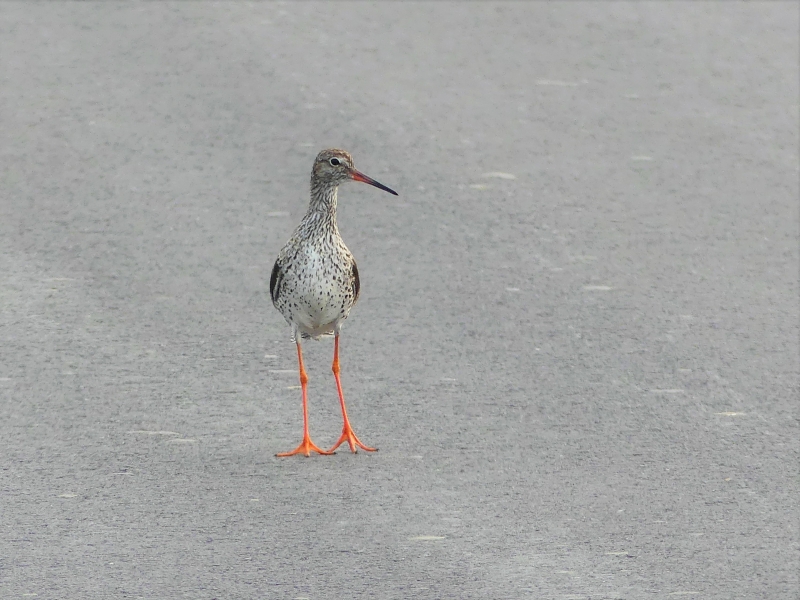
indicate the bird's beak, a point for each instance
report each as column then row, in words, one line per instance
column 359, row 176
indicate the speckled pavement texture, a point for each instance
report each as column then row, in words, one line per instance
column 577, row 340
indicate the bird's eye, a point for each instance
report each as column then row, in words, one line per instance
column 335, row 162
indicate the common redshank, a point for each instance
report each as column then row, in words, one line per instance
column 314, row 282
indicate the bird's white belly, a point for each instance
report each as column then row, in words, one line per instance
column 318, row 300
column 317, row 311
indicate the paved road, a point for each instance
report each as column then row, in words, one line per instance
column 582, row 379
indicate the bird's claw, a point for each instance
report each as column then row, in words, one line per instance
column 306, row 447
column 349, row 436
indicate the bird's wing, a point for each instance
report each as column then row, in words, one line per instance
column 356, row 283
column 275, row 281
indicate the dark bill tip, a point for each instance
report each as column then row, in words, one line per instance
column 359, row 176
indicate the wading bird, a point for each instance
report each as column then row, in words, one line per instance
column 314, row 282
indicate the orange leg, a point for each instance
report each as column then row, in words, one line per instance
column 306, row 446
column 348, row 435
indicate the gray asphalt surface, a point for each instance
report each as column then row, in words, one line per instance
column 582, row 380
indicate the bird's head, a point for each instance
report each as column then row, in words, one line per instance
column 333, row 167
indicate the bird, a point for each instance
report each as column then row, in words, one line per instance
column 314, row 283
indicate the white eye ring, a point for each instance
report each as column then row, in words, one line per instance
column 335, row 162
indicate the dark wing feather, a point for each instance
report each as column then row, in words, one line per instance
column 356, row 283
column 275, row 281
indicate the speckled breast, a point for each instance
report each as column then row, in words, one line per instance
column 317, row 289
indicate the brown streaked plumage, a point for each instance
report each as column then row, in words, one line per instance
column 315, row 282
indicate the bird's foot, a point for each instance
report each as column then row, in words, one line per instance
column 306, row 447
column 349, row 436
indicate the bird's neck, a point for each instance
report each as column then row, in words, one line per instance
column 322, row 208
